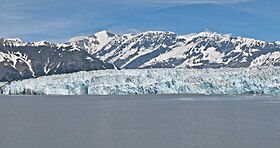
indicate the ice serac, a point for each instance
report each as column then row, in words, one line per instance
column 153, row 81
column 158, row 49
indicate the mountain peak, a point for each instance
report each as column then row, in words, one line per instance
column 209, row 34
column 277, row 42
column 14, row 39
column 158, row 32
column 104, row 33
column 11, row 42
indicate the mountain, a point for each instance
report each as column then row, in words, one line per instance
column 21, row 60
column 152, row 49
column 157, row 49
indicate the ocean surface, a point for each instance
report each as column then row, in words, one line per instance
column 149, row 121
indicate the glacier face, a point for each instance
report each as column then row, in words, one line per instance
column 153, row 81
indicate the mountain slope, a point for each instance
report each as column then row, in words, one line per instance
column 156, row 49
column 152, row 49
column 20, row 60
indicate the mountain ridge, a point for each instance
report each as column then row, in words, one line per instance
column 22, row 60
column 159, row 49
column 151, row 49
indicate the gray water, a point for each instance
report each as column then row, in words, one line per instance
column 170, row 121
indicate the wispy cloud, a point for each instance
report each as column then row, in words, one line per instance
column 33, row 27
column 14, row 10
column 21, row 18
column 175, row 2
column 133, row 30
column 11, row 10
column 25, row 17
column 197, row 1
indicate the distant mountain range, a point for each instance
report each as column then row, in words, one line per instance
column 152, row 49
column 156, row 49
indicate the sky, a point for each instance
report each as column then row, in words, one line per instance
column 59, row 20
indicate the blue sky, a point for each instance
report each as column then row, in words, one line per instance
column 59, row 20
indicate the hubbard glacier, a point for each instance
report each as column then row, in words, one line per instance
column 230, row 81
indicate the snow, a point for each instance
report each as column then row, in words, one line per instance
column 48, row 67
column 192, row 50
column 177, row 53
column 89, row 58
column 75, row 49
column 13, row 39
column 156, row 32
column 102, row 38
column 140, row 52
column 154, row 81
column 238, row 49
column 93, row 43
column 212, row 55
column 190, row 62
column 1, row 57
column 266, row 59
column 2, row 84
column 62, row 46
column 40, row 43
column 277, row 42
column 275, row 55
column 14, row 57
column 14, row 42
column 188, row 36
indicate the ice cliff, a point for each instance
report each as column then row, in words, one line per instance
column 152, row 81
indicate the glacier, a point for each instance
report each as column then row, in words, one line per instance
column 231, row 81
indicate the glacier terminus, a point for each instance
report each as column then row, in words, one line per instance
column 228, row 81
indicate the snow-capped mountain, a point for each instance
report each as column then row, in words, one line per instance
column 157, row 49
column 20, row 60
column 93, row 43
column 152, row 49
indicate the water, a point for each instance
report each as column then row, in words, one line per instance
column 177, row 121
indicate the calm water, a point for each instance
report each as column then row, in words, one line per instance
column 179, row 121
